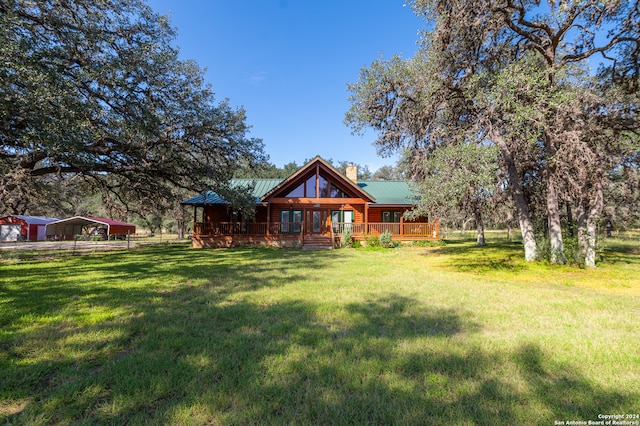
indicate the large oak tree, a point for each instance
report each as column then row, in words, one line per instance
column 94, row 90
column 509, row 73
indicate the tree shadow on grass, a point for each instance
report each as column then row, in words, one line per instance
column 560, row 387
column 48, row 287
column 398, row 317
column 190, row 356
column 621, row 253
column 464, row 256
column 48, row 308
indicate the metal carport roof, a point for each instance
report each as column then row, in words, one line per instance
column 76, row 224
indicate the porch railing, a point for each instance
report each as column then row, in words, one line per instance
column 248, row 228
column 412, row 229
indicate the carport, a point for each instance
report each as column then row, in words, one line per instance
column 66, row 229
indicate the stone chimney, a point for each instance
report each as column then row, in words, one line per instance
column 352, row 173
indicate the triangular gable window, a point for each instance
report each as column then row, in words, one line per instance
column 317, row 180
column 337, row 192
column 297, row 192
column 325, row 188
column 323, row 185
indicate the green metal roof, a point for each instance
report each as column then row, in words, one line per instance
column 389, row 191
column 261, row 187
column 384, row 191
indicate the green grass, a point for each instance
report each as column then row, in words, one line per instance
column 448, row 334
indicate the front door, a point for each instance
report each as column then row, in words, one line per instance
column 316, row 221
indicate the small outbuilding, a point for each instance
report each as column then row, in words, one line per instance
column 24, row 228
column 66, row 229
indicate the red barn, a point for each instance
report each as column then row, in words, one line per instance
column 24, row 228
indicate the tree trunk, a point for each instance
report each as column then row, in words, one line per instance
column 553, row 218
column 480, row 242
column 464, row 225
column 591, row 224
column 180, row 221
column 570, row 225
column 587, row 223
column 609, row 228
column 590, row 249
column 582, row 229
column 522, row 209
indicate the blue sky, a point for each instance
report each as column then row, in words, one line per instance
column 288, row 62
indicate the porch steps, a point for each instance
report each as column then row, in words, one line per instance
column 317, row 242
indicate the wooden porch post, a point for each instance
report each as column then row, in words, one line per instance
column 195, row 208
column 269, row 219
column 327, row 223
column 401, row 224
column 366, row 218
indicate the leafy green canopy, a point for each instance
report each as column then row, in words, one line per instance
column 457, row 178
column 94, row 89
column 512, row 73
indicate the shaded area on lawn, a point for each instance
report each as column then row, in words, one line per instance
column 41, row 288
column 504, row 262
column 466, row 257
column 186, row 342
column 509, row 256
column 621, row 251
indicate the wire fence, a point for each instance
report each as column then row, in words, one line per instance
column 502, row 235
column 25, row 250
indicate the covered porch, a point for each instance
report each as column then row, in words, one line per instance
column 299, row 233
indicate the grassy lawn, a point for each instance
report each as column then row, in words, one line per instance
column 415, row 335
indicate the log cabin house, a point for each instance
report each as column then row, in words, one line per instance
column 310, row 209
